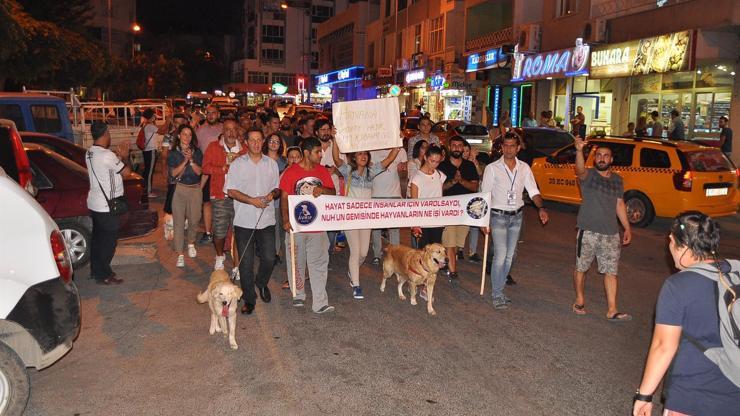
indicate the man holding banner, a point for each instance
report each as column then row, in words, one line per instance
column 307, row 177
column 506, row 179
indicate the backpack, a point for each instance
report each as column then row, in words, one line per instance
column 727, row 357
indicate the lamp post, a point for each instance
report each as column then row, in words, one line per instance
column 135, row 29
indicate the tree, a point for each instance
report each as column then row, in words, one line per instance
column 68, row 14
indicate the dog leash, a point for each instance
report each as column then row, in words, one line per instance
column 249, row 240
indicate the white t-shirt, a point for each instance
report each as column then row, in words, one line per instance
column 430, row 186
column 104, row 164
column 151, row 141
column 387, row 184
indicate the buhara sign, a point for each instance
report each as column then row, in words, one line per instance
column 555, row 64
column 657, row 54
column 491, row 58
column 415, row 77
column 342, row 75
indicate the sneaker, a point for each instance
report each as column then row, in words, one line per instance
column 500, row 303
column 376, row 261
column 460, row 255
column 219, row 262
column 506, row 298
column 475, row 258
column 423, row 294
column 298, row 303
column 207, row 238
column 181, row 260
column 357, row 293
column 235, row 274
column 192, row 252
column 325, row 309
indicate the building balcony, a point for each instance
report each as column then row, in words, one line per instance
column 490, row 40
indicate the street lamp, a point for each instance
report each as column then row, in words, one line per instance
column 135, row 29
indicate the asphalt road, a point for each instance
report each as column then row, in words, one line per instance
column 144, row 348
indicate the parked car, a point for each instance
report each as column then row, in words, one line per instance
column 476, row 134
column 660, row 178
column 297, row 108
column 538, row 142
column 69, row 150
column 39, row 302
column 13, row 158
column 63, row 186
column 409, row 127
column 37, row 112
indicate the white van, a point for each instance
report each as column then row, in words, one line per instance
column 39, row 302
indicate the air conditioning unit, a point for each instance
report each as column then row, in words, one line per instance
column 530, row 37
column 601, row 31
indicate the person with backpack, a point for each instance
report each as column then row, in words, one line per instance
column 696, row 336
column 147, row 143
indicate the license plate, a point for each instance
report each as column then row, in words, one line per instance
column 716, row 191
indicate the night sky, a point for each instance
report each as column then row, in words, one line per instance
column 197, row 17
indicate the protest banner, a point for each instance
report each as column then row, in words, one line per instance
column 329, row 213
column 367, row 124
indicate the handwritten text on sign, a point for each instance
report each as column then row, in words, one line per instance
column 367, row 124
column 341, row 213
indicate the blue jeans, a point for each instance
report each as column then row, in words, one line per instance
column 505, row 230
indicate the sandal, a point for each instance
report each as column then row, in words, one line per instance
column 619, row 317
column 579, row 309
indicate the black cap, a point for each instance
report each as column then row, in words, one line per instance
column 97, row 129
column 148, row 113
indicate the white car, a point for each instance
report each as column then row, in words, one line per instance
column 39, row 302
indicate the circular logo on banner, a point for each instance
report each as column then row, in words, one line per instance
column 477, row 208
column 305, row 213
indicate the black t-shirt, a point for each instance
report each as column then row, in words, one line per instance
column 467, row 172
column 695, row 385
column 727, row 132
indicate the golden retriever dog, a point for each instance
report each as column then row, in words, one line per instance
column 418, row 267
column 222, row 297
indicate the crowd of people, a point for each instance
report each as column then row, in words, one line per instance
column 236, row 175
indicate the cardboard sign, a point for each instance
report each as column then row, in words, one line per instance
column 367, row 124
column 327, row 213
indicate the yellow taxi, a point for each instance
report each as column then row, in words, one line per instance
column 660, row 177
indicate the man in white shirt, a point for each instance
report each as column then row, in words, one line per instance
column 387, row 185
column 506, row 179
column 253, row 183
column 104, row 169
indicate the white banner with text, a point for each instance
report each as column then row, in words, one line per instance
column 330, row 213
column 367, row 124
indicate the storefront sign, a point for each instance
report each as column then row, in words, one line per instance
column 385, row 72
column 367, row 124
column 555, row 64
column 496, row 105
column 514, row 113
column 437, row 82
column 323, row 90
column 480, row 61
column 279, row 88
column 329, row 212
column 343, row 75
column 657, row 54
column 415, row 77
column 467, row 108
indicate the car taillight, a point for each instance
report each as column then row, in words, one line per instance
column 25, row 176
column 683, row 181
column 61, row 256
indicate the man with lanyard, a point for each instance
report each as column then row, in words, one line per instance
column 105, row 169
column 308, row 177
column 425, row 133
column 252, row 182
column 387, row 184
column 462, row 178
column 216, row 162
column 208, row 133
column 506, row 179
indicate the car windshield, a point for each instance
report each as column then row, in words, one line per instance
column 472, row 130
column 410, row 123
column 708, row 161
column 38, row 153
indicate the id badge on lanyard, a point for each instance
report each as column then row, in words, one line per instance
column 510, row 194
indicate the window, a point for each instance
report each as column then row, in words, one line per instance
column 402, row 4
column 436, row 34
column 320, row 14
column 399, row 45
column 383, row 46
column 568, row 155
column 566, row 7
column 371, row 55
column 314, row 35
column 286, row 79
column 257, row 77
column 46, row 118
column 13, row 112
column 387, row 8
column 314, row 60
column 40, row 180
column 653, row 158
column 417, row 38
column 274, row 56
column 621, row 153
column 237, row 73
column 273, row 34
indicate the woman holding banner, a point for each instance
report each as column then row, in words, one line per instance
column 358, row 175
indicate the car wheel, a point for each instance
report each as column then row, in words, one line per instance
column 78, row 240
column 640, row 211
column 14, row 385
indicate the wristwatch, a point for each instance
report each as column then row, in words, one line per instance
column 642, row 397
